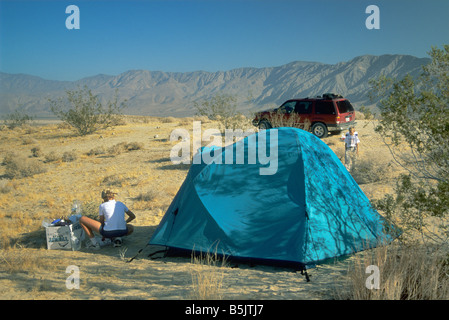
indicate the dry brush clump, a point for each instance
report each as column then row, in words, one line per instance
column 207, row 275
column 18, row 166
column 371, row 171
column 5, row 186
column 404, row 273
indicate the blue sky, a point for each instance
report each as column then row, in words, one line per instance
column 211, row 35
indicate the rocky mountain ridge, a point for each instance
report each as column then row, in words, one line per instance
column 159, row 93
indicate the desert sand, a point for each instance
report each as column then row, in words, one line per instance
column 147, row 181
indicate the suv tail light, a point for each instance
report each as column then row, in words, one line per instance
column 337, row 119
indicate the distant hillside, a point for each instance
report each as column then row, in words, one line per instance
column 158, row 93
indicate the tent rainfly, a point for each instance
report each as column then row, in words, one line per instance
column 306, row 210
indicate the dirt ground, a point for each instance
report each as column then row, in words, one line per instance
column 134, row 159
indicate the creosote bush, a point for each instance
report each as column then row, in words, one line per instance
column 84, row 111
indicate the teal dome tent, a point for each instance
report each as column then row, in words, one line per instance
column 306, row 210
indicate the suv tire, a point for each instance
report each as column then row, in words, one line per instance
column 265, row 125
column 320, row 130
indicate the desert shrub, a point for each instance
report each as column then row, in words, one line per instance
column 414, row 125
column 117, row 148
column 5, row 186
column 52, row 157
column 36, row 152
column 134, row 146
column 370, row 171
column 148, row 196
column 84, row 111
column 96, row 151
column 223, row 108
column 124, row 147
column 207, row 275
column 8, row 158
column 69, row 156
column 20, row 167
column 16, row 119
column 405, row 273
column 278, row 119
column 169, row 120
column 28, row 140
column 113, row 180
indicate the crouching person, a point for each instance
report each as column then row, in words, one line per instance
column 112, row 222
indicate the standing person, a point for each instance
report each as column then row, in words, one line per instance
column 351, row 148
column 112, row 222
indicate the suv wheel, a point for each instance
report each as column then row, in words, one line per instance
column 320, row 130
column 264, row 125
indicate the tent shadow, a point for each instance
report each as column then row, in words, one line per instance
column 130, row 246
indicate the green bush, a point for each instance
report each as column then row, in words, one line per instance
column 84, row 111
column 415, row 125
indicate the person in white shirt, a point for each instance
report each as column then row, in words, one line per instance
column 112, row 222
column 351, row 148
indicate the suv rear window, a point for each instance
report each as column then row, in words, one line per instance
column 344, row 106
column 324, row 107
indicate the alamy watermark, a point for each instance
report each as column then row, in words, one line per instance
column 257, row 147
column 373, row 280
column 373, row 20
column 73, row 20
column 72, row 281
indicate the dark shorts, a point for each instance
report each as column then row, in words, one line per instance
column 113, row 233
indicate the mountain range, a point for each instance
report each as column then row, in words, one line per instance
column 158, row 93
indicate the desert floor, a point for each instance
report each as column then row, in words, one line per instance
column 147, row 181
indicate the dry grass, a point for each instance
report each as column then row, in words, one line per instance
column 413, row 273
column 16, row 260
column 207, row 275
column 18, row 166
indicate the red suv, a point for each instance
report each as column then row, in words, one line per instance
column 319, row 115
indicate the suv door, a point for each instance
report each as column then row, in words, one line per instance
column 304, row 111
column 284, row 115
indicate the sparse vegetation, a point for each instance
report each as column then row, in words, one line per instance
column 84, row 111
column 17, row 166
column 96, row 151
column 148, row 196
column 16, row 119
column 414, row 125
column 52, row 157
column 5, row 186
column 123, row 147
column 114, row 180
column 405, row 273
column 207, row 275
column 147, row 182
column 36, row 152
column 223, row 108
column 69, row 156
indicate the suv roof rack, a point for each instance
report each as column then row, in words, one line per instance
column 331, row 96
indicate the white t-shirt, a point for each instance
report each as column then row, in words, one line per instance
column 114, row 215
column 352, row 141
